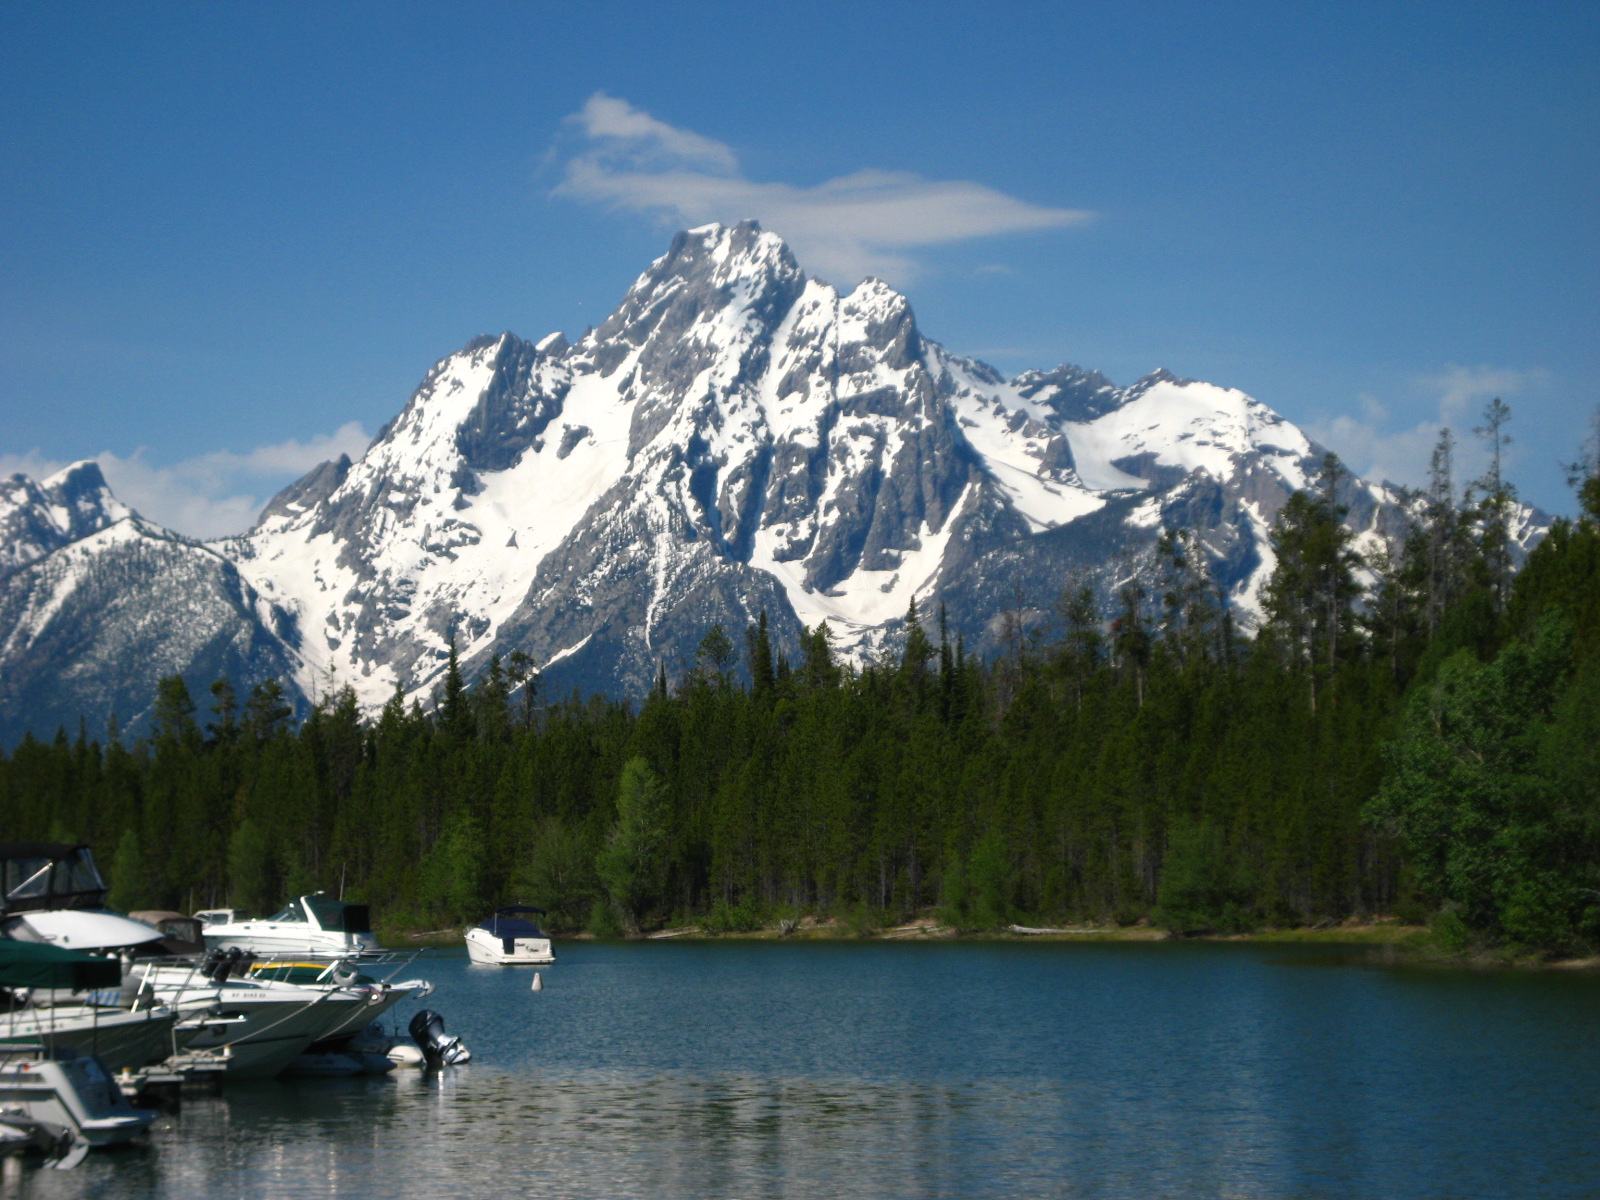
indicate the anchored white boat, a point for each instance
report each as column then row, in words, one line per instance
column 508, row 939
column 310, row 925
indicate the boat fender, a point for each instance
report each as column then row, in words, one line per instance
column 408, row 1056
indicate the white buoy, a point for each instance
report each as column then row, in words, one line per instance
column 538, row 982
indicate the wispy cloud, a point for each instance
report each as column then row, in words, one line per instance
column 210, row 495
column 1373, row 449
column 865, row 223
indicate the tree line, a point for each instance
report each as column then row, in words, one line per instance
column 1413, row 731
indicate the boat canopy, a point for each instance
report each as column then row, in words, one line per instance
column 40, row 876
column 507, row 924
column 325, row 913
column 37, row 965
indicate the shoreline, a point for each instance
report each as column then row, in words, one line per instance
column 1407, row 945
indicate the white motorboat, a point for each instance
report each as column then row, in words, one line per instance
column 71, row 1091
column 79, row 1003
column 51, row 892
column 377, row 996
column 42, row 1088
column 119, row 1037
column 265, row 1023
column 310, row 925
column 508, row 939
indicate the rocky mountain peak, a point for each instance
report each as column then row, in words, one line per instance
column 733, row 272
column 306, row 492
column 38, row 518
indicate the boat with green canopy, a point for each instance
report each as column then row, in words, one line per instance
column 50, row 1085
column 65, row 1000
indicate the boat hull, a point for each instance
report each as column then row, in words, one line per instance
column 265, row 1024
column 77, row 1093
column 119, row 1037
column 291, row 944
column 263, row 1036
column 484, row 947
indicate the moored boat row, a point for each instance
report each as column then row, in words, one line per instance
column 91, row 999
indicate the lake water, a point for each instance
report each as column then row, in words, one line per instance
column 740, row 1069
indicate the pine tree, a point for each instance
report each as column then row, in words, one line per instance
column 1499, row 496
column 1310, row 597
column 714, row 657
column 759, row 647
column 629, row 866
column 224, row 730
column 453, row 711
column 267, row 713
column 916, row 654
column 1130, row 634
column 523, row 675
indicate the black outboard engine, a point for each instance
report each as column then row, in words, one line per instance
column 439, row 1049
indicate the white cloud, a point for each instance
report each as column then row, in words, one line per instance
column 855, row 225
column 1373, row 450
column 1465, row 390
column 32, row 464
column 210, row 495
column 610, row 120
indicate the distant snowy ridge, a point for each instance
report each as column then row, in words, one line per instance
column 734, row 438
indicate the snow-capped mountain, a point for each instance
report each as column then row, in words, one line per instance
column 97, row 604
column 734, row 438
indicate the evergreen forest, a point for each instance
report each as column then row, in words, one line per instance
column 1412, row 732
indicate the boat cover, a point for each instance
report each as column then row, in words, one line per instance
column 36, row 965
column 511, row 927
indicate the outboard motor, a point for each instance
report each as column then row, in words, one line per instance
column 224, row 965
column 439, row 1049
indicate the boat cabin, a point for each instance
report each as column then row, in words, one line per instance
column 334, row 916
column 508, row 924
column 317, row 911
column 179, row 934
column 42, row 876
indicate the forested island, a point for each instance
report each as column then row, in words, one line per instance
column 1430, row 752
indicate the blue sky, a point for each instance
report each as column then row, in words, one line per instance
column 234, row 237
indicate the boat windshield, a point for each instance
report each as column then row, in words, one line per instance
column 505, row 927
column 289, row 912
column 42, row 875
column 339, row 917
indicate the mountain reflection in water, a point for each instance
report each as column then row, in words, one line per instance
column 873, row 1070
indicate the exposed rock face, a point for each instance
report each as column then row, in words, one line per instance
column 37, row 519
column 87, row 630
column 733, row 438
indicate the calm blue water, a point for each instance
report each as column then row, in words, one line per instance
column 739, row 1069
